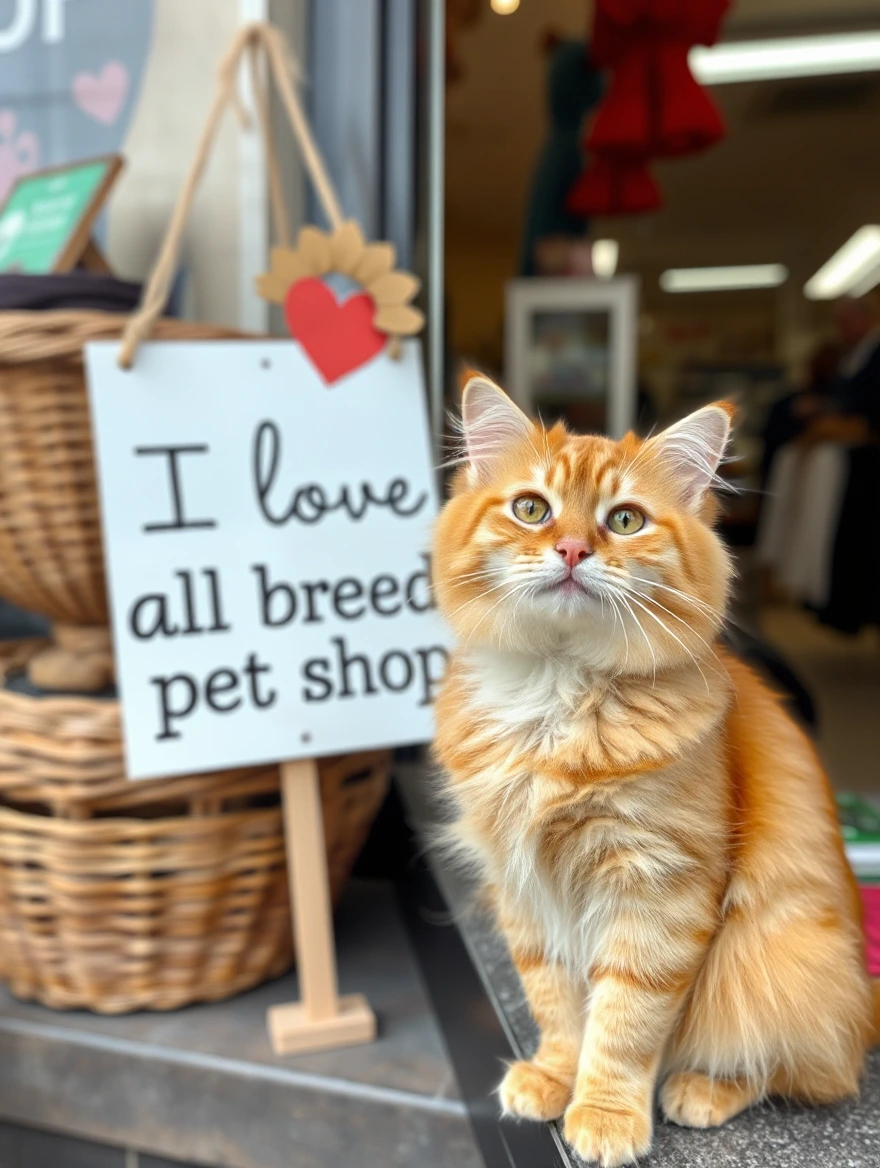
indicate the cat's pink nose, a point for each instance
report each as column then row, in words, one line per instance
column 573, row 551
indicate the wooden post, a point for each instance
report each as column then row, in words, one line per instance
column 321, row 1019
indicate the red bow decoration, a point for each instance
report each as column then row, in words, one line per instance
column 654, row 108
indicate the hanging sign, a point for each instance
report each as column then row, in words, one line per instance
column 266, row 536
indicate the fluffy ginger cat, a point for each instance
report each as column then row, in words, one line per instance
column 657, row 835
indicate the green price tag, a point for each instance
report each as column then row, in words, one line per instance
column 45, row 222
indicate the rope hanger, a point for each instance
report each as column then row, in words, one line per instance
column 264, row 46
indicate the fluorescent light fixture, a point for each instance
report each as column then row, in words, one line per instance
column 504, row 7
column 808, row 56
column 854, row 269
column 868, row 284
column 604, row 255
column 723, row 279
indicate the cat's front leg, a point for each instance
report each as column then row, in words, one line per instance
column 541, row 1087
column 638, row 985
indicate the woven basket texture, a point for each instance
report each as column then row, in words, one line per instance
column 119, row 895
column 50, row 534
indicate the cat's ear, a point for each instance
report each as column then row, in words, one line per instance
column 491, row 424
column 693, row 448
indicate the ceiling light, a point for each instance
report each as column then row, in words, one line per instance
column 604, row 255
column 723, row 279
column 854, row 269
column 504, row 7
column 809, row 56
column 867, row 285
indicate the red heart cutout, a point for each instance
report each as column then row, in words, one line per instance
column 337, row 337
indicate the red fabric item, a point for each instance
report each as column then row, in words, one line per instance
column 654, row 107
column 626, row 185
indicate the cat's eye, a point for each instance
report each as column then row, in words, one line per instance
column 531, row 509
column 626, row 520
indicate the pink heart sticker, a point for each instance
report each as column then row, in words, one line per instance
column 101, row 96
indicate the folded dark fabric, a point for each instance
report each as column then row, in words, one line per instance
column 86, row 290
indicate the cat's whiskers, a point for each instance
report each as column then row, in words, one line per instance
column 481, row 595
column 637, row 597
column 700, row 605
column 613, row 603
column 522, row 566
column 518, row 566
column 517, row 587
column 512, row 617
column 631, row 596
column 447, row 464
column 718, row 615
column 483, row 574
column 689, row 627
column 624, row 601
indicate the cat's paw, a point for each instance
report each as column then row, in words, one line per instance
column 694, row 1100
column 608, row 1138
column 530, row 1092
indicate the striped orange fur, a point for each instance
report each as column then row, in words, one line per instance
column 658, row 835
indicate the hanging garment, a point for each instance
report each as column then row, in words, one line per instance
column 857, row 391
column 799, row 520
column 854, row 594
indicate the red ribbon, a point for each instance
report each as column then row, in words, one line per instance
column 654, row 107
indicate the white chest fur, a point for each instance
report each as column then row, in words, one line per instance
column 533, row 702
column 520, row 691
column 553, row 891
column 563, row 852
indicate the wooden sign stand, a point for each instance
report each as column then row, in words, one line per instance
column 321, row 1019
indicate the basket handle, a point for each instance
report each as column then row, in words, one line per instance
column 255, row 41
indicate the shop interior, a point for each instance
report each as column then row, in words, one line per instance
column 788, row 185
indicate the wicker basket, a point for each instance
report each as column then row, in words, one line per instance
column 118, row 896
column 50, row 533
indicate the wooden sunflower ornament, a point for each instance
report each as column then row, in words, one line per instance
column 317, row 253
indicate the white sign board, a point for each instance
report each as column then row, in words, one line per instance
column 267, row 542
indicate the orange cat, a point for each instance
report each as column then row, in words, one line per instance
column 657, row 834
